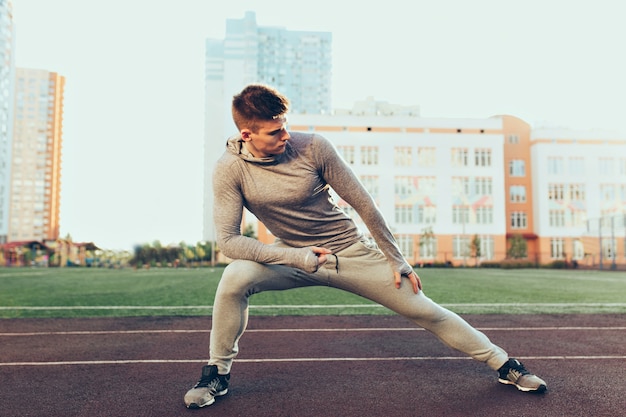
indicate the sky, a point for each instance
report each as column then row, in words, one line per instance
column 132, row 168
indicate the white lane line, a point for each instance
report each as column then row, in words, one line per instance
column 304, row 307
column 269, row 360
column 405, row 329
column 309, row 330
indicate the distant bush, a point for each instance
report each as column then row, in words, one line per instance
column 447, row 264
column 508, row 264
column 503, row 264
column 558, row 265
column 490, row 264
column 518, row 263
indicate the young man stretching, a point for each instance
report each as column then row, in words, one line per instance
column 284, row 178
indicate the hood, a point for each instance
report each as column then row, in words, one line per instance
column 234, row 145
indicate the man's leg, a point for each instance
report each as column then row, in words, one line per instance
column 239, row 281
column 365, row 271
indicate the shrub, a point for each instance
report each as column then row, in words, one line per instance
column 516, row 264
column 490, row 264
column 558, row 265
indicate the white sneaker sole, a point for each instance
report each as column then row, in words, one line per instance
column 195, row 405
column 539, row 389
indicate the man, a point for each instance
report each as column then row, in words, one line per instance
column 284, row 178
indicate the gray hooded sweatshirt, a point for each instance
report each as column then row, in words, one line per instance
column 289, row 193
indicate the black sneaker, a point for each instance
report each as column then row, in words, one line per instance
column 514, row 373
column 211, row 385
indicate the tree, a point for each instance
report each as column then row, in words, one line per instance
column 249, row 231
column 140, row 256
column 189, row 254
column 426, row 242
column 518, row 248
column 207, row 248
column 475, row 249
column 200, row 253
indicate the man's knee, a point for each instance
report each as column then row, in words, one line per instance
column 237, row 277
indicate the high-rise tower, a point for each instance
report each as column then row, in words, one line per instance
column 36, row 161
column 7, row 77
column 297, row 63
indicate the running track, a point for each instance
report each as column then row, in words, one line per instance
column 309, row 366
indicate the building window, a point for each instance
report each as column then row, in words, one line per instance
column 483, row 186
column 579, row 218
column 576, row 166
column 426, row 214
column 427, row 186
column 513, row 139
column 486, row 247
column 557, row 248
column 426, row 157
column 461, row 186
column 460, row 157
column 461, row 247
column 405, row 242
column 517, row 194
column 347, row 153
column 484, row 215
column 518, row 220
column 555, row 165
column 403, row 156
column 369, row 155
column 577, row 192
column 556, row 192
column 428, row 247
column 606, row 166
column 482, row 157
column 517, row 168
column 608, row 248
column 404, row 187
column 578, row 250
column 557, row 218
column 607, row 192
column 460, row 215
column 404, row 214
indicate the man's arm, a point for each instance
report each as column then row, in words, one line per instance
column 345, row 183
column 228, row 211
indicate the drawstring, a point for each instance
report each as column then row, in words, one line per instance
column 336, row 263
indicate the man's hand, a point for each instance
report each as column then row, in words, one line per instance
column 321, row 254
column 413, row 277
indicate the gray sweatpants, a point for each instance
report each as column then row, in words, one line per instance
column 359, row 269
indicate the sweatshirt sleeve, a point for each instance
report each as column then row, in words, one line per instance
column 345, row 183
column 228, row 206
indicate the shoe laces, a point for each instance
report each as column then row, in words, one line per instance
column 210, row 381
column 517, row 367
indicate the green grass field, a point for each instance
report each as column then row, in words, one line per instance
column 85, row 292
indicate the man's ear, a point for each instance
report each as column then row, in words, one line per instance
column 245, row 134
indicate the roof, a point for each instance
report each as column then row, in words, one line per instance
column 32, row 244
column 87, row 245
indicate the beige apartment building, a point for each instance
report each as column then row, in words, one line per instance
column 36, row 158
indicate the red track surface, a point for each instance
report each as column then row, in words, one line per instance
column 144, row 366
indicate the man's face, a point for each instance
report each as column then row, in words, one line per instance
column 270, row 139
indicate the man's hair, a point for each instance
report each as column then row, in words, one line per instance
column 258, row 102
